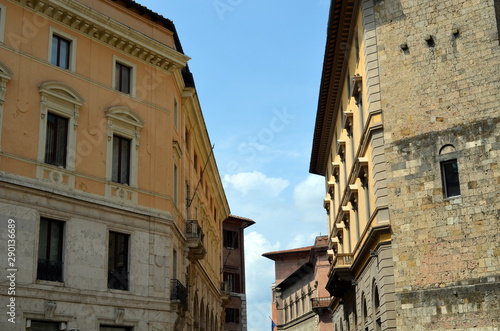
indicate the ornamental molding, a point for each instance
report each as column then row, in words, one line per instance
column 117, row 35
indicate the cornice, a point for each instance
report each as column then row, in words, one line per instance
column 97, row 26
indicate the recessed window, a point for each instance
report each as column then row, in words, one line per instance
column 50, row 250
column 61, row 49
column 56, row 141
column 230, row 239
column 118, row 261
column 232, row 315
column 44, row 326
column 2, row 22
column 451, row 182
column 114, row 328
column 233, row 281
column 121, row 160
column 123, row 77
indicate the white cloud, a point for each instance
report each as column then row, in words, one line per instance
column 308, row 199
column 255, row 182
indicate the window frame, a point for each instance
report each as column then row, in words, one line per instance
column 47, row 254
column 445, row 178
column 231, row 239
column 3, row 16
column 62, row 100
column 123, row 122
column 133, row 70
column 232, row 315
column 72, row 48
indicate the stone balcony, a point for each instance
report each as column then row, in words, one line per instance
column 195, row 236
column 320, row 305
column 340, row 276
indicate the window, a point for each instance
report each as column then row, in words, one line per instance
column 118, row 261
column 61, row 48
column 2, row 22
column 176, row 114
column 232, row 315
column 230, row 239
column 233, row 281
column 50, row 250
column 121, row 160
column 123, row 75
column 44, row 326
column 114, row 328
column 174, row 265
column 176, row 185
column 56, row 140
column 451, row 183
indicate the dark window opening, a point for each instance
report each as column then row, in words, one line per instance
column 118, row 261
column 232, row 315
column 56, row 141
column 451, row 182
column 44, row 326
column 50, row 250
column 230, row 239
column 121, row 160
column 233, row 282
column 123, row 78
column 61, row 49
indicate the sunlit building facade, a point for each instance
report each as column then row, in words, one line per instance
column 106, row 172
column 406, row 136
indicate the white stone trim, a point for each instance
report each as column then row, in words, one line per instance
column 72, row 55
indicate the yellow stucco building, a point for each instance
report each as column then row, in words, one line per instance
column 107, row 172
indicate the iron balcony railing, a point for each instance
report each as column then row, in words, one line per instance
column 118, row 279
column 179, row 292
column 320, row 302
column 49, row 270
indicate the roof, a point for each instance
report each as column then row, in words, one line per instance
column 245, row 222
column 272, row 255
column 340, row 24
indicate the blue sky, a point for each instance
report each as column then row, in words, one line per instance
column 257, row 68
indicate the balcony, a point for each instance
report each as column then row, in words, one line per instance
column 195, row 236
column 49, row 270
column 320, row 305
column 179, row 293
column 118, row 279
column 340, row 277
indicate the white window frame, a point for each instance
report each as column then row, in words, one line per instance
column 3, row 16
column 5, row 76
column 133, row 74
column 72, row 52
column 60, row 99
column 124, row 122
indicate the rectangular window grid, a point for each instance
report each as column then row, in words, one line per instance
column 121, row 160
column 123, row 77
column 61, row 49
column 56, row 140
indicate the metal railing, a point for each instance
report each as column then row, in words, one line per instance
column 49, row 270
column 179, row 292
column 118, row 279
column 320, row 302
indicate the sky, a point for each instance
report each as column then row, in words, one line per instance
column 257, row 69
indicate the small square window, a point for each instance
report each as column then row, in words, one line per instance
column 451, row 182
column 123, row 78
column 61, row 49
column 56, row 141
column 121, row 160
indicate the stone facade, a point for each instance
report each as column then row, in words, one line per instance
column 109, row 191
column 422, row 133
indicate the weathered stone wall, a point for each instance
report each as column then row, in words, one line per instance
column 440, row 77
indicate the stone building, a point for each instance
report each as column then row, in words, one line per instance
column 300, row 300
column 107, row 174
column 233, row 257
column 407, row 138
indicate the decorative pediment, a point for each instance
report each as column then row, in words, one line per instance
column 361, row 169
column 61, row 91
column 341, row 149
column 125, row 115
